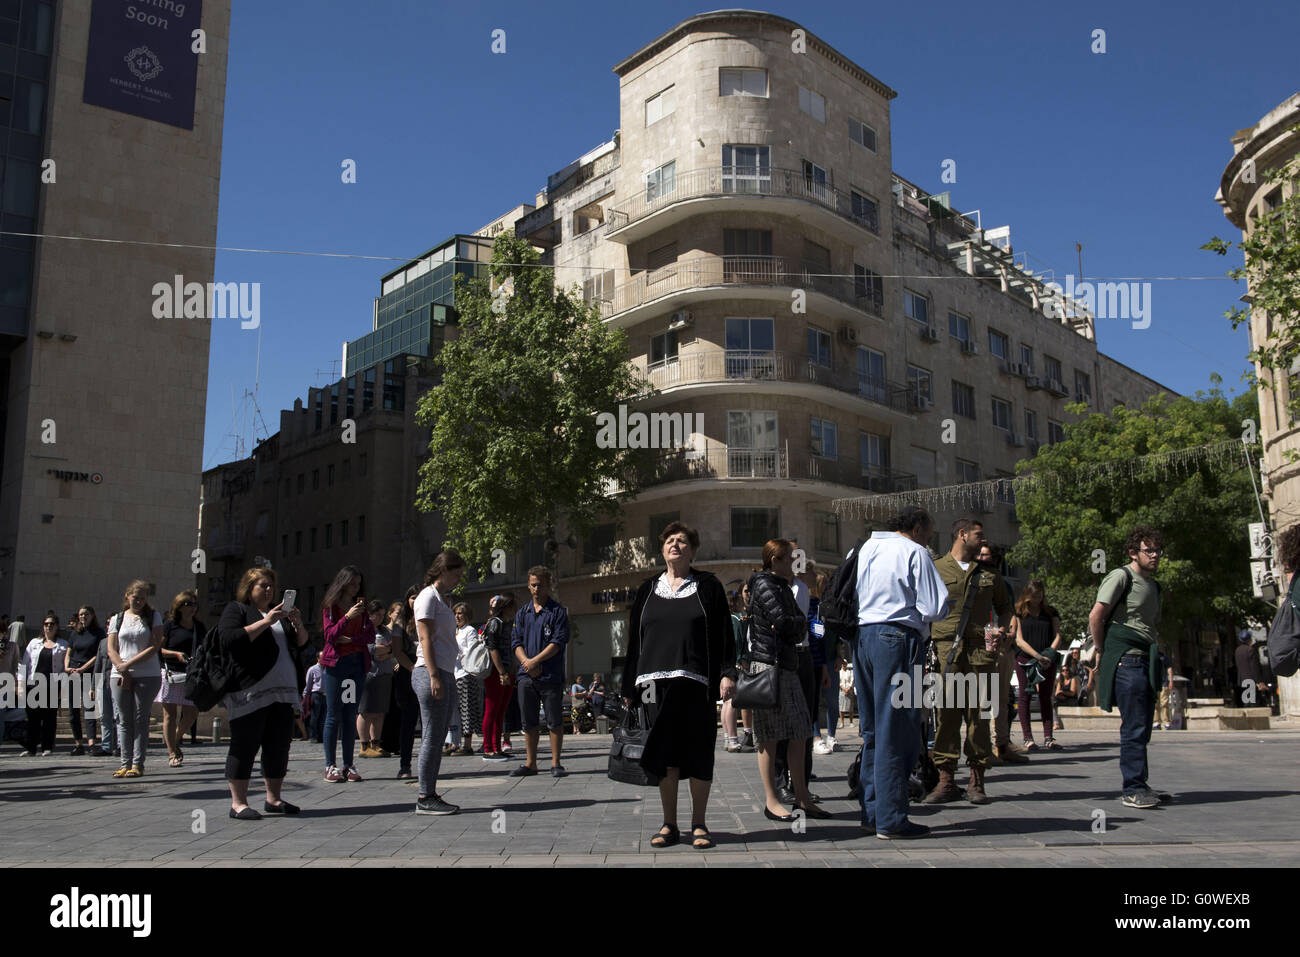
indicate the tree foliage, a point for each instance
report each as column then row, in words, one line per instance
column 513, row 445
column 1202, row 509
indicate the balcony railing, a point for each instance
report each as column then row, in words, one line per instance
column 717, row 462
column 739, row 181
column 735, row 365
column 704, row 271
column 871, row 478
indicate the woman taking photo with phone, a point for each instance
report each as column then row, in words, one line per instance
column 345, row 661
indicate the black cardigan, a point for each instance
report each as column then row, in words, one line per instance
column 253, row 658
column 717, row 623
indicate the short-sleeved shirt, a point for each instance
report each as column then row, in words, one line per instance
column 430, row 605
column 133, row 637
column 85, row 645
column 991, row 597
column 1141, row 610
column 534, row 631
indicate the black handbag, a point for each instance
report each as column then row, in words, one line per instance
column 625, row 757
column 759, row 691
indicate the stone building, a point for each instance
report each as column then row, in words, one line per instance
column 1247, row 189
column 98, row 476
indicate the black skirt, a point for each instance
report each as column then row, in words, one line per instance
column 683, row 729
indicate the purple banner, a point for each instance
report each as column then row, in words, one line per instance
column 140, row 58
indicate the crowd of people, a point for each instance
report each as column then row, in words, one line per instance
column 383, row 668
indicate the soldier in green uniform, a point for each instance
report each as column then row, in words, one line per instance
column 982, row 591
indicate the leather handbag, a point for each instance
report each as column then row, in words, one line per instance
column 759, row 691
column 625, row 757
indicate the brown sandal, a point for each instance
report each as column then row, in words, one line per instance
column 174, row 761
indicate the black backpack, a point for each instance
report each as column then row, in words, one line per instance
column 1284, row 637
column 839, row 602
column 210, row 673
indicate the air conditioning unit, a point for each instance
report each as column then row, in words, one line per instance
column 1024, row 370
column 1034, row 382
column 929, row 333
column 1057, row 388
column 848, row 334
column 680, row 320
column 1016, row 439
column 969, row 348
column 922, row 404
column 1008, row 368
column 1083, row 397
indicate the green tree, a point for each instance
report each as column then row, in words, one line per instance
column 513, row 418
column 1092, row 492
column 1271, row 255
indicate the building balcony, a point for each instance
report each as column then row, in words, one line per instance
column 717, row 462
column 718, row 277
column 737, row 189
column 224, row 544
column 734, row 365
column 870, row 478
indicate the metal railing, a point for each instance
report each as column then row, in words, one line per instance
column 716, row 462
column 871, row 478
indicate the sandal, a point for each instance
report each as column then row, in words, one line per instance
column 174, row 761
column 700, row 842
column 120, row 772
column 1051, row 745
column 668, row 836
column 1030, row 746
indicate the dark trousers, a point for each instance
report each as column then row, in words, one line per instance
column 40, row 728
column 1136, row 702
column 401, row 741
column 390, row 736
column 807, row 682
column 317, row 730
column 514, row 720
column 1045, row 688
column 269, row 729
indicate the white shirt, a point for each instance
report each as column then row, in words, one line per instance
column 897, row 582
column 463, row 637
column 133, row 637
column 430, row 607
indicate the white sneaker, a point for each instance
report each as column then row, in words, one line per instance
column 819, row 747
column 831, row 744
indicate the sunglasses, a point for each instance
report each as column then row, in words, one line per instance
column 186, row 604
column 51, row 624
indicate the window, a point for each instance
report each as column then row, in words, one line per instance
column 963, row 399
column 873, row 452
column 871, row 375
column 361, row 528
column 661, row 182
column 1055, row 432
column 865, row 211
column 816, row 181
column 919, row 381
column 862, row 134
column 297, row 543
column 1031, row 425
column 1272, row 201
column 826, row 532
column 1004, row 491
column 749, row 348
column 598, row 545
column 819, row 347
column 925, row 467
column 825, row 439
column 1053, row 369
column 814, row 104
column 329, row 475
column 747, row 242
column 301, row 478
column 660, row 105
column 345, row 472
column 999, row 345
column 665, row 255
column 598, row 288
column 754, row 527
column 284, row 545
column 1001, row 414
column 343, row 533
column 746, row 169
column 1027, row 358
column 752, row 445
column 663, row 348
column 816, row 262
column 315, row 479
column 329, row 535
column 959, row 327
column 313, row 539
column 738, row 81
column 361, row 464
column 967, row 472
column 1082, row 386
column 657, row 525
column 916, row 306
column 868, row 289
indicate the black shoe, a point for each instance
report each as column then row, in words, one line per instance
column 523, row 771
column 557, row 771
column 77, row 751
column 785, row 795
column 284, row 807
column 910, row 830
column 813, row 811
column 784, row 818
column 247, row 814
column 102, row 752
column 434, row 805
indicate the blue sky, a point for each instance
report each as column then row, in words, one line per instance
column 1120, row 151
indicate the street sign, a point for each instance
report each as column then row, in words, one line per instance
column 1265, row 578
column 1261, row 542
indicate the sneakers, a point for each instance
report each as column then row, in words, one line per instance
column 403, row 774
column 334, row 775
column 1141, row 799
column 494, row 756
column 910, row 830
column 747, row 743
column 820, row 747
column 731, row 745
column 434, row 805
column 352, row 774
column 831, row 744
column 1162, row 796
column 78, row 751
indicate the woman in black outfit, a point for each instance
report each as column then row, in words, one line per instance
column 776, row 627
column 681, row 635
column 1036, row 630
column 181, row 634
column 84, row 637
column 262, row 642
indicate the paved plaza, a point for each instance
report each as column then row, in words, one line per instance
column 1237, row 804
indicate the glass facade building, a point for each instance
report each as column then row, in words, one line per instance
column 417, row 301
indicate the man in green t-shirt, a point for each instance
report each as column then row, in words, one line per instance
column 1127, row 673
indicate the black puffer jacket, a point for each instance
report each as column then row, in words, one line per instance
column 777, row 624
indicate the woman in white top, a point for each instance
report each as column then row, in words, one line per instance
column 134, row 637
column 43, row 659
column 469, row 688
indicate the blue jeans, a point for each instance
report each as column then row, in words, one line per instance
column 831, row 701
column 338, row 711
column 107, row 717
column 891, row 737
column 435, row 717
column 1136, row 702
column 317, row 729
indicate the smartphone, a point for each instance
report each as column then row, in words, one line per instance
column 290, row 596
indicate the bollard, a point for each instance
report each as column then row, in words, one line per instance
column 216, row 730
column 602, row 724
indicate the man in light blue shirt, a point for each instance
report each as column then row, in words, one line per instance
column 899, row 593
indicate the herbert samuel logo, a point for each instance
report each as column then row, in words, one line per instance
column 215, row 300
column 77, row 910
column 144, row 63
